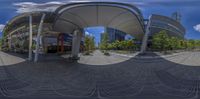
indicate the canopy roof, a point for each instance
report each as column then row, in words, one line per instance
column 67, row 18
column 23, row 19
column 124, row 17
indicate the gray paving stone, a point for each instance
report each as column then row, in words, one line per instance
column 132, row 78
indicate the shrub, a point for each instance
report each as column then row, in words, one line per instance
column 87, row 53
column 107, row 54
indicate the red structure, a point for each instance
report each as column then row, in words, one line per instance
column 60, row 45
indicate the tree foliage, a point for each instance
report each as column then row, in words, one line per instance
column 89, row 43
column 104, row 43
column 162, row 41
column 121, row 45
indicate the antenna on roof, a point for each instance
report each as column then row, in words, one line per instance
column 177, row 16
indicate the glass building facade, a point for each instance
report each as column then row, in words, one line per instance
column 173, row 27
column 114, row 34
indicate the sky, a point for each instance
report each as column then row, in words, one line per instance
column 95, row 32
column 189, row 10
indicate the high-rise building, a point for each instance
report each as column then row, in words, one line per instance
column 114, row 34
column 172, row 27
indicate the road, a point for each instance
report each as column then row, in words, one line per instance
column 133, row 78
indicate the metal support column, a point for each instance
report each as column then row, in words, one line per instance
column 30, row 38
column 146, row 36
column 10, row 41
column 76, row 44
column 58, row 43
column 38, row 37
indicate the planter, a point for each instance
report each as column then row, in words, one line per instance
column 107, row 54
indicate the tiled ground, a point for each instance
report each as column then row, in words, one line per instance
column 136, row 78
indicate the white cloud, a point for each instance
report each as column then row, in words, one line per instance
column 52, row 5
column 87, row 33
column 23, row 7
column 197, row 27
column 102, row 31
column 1, row 27
column 80, row 0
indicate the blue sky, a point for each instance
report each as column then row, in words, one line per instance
column 96, row 32
column 188, row 8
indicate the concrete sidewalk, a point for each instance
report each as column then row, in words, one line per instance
column 98, row 58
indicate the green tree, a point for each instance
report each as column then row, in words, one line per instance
column 198, row 44
column 92, row 43
column 104, row 42
column 161, row 41
column 1, row 40
column 110, row 46
column 121, row 45
column 175, row 43
column 89, row 43
column 130, row 44
column 115, row 45
column 127, row 44
column 191, row 44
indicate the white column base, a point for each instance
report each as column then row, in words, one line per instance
column 76, row 41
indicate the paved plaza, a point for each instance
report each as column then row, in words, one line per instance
column 98, row 58
column 172, row 77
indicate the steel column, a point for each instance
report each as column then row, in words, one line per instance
column 38, row 37
column 30, row 37
column 76, row 44
column 146, row 36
